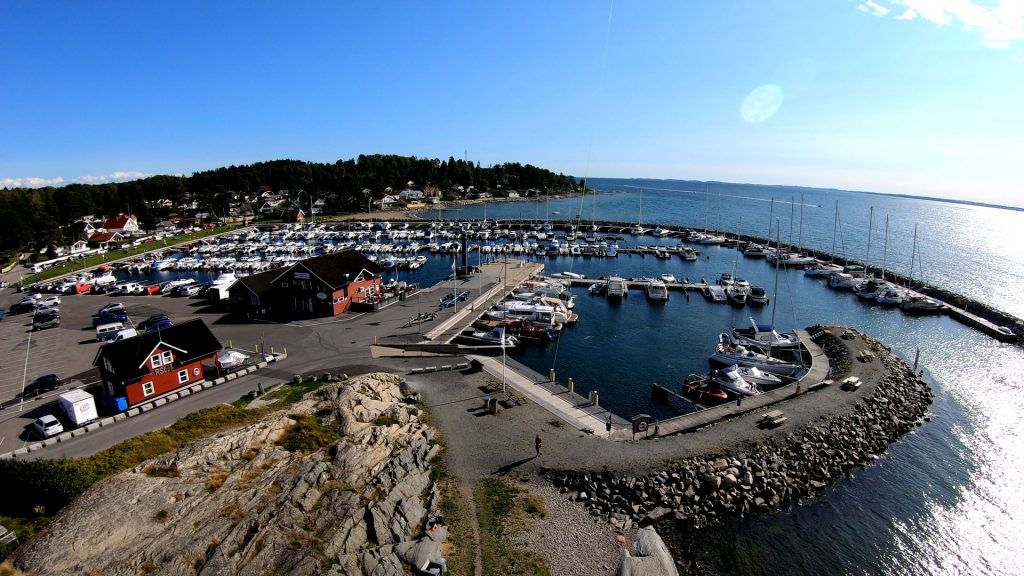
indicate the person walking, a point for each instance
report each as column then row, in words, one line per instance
column 538, row 443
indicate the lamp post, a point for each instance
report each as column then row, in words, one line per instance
column 502, row 359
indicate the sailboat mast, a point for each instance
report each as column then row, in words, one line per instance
column 771, row 214
column 913, row 254
column 867, row 256
column 792, row 211
column 885, row 247
column 835, row 224
column 775, row 298
column 800, row 238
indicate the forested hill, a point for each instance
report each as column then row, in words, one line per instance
column 45, row 214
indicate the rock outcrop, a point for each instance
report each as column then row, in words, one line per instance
column 240, row 503
column 652, row 557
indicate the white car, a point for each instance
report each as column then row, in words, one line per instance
column 49, row 302
column 48, row 426
column 43, row 310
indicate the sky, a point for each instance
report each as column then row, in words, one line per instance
column 922, row 97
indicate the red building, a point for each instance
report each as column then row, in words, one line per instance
column 155, row 363
column 319, row 287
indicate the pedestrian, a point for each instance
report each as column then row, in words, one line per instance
column 538, row 443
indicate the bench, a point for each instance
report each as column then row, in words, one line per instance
column 851, row 383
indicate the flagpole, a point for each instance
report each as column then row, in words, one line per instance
column 502, row 359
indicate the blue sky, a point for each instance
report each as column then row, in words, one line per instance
column 916, row 96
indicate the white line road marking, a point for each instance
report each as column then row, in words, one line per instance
column 24, row 374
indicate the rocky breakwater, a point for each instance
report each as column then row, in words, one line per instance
column 338, row 483
column 765, row 474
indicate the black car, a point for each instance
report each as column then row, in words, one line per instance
column 154, row 320
column 109, row 318
column 26, row 305
column 41, row 384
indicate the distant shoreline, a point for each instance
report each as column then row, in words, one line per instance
column 815, row 188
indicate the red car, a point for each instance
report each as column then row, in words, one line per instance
column 151, row 289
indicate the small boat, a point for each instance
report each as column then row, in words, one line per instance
column 822, row 269
column 730, row 380
column 661, row 232
column 726, row 354
column 570, row 275
column 763, row 336
column 757, row 296
column 737, row 296
column 669, row 279
column 697, row 386
column 496, row 336
column 756, row 376
column 657, row 291
column 921, row 304
column 617, row 288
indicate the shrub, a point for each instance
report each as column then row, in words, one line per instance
column 307, row 435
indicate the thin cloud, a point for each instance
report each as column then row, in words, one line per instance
column 910, row 14
column 998, row 24
column 112, row 177
column 30, row 182
column 874, row 9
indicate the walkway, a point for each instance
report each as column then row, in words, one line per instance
column 570, row 407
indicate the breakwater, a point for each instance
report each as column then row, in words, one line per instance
column 778, row 472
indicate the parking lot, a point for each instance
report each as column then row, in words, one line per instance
column 67, row 350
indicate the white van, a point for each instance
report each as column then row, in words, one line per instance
column 109, row 331
column 126, row 333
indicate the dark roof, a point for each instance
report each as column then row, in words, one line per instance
column 333, row 268
column 257, row 283
column 189, row 340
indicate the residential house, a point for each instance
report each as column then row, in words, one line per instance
column 319, row 287
column 104, row 239
column 136, row 369
column 78, row 247
column 126, row 224
column 293, row 215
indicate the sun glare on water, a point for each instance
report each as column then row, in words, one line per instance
column 762, row 103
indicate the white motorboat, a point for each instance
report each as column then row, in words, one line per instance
column 657, row 291
column 661, row 232
column 921, row 304
column 752, row 250
column 822, row 269
column 842, row 281
column 763, row 336
column 727, row 354
column 617, row 288
column 496, row 336
column 730, row 380
column 759, row 377
column 669, row 278
column 757, row 296
column 736, row 295
column 891, row 296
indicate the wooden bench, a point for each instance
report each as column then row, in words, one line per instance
column 852, row 383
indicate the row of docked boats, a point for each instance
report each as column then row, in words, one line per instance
column 748, row 360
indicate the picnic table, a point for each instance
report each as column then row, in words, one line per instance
column 773, row 418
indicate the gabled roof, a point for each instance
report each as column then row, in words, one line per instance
column 103, row 236
column 117, row 222
column 191, row 339
column 335, row 269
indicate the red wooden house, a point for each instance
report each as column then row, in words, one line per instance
column 319, row 287
column 155, row 363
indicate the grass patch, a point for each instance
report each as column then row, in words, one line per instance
column 155, row 471
column 385, row 421
column 308, row 435
column 501, row 514
column 290, row 393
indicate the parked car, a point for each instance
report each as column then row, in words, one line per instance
column 109, row 318
column 152, row 320
column 151, row 289
column 49, row 301
column 190, row 290
column 47, row 319
column 41, row 384
column 159, row 325
column 23, row 305
column 111, row 308
column 48, row 426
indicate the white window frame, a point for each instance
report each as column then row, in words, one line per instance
column 156, row 361
column 167, row 357
column 182, row 376
column 150, row 386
